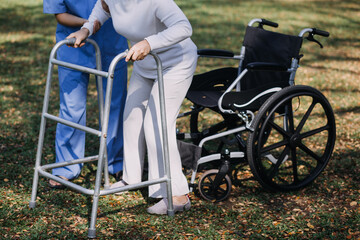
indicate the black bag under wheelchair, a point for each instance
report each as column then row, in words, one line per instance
column 284, row 132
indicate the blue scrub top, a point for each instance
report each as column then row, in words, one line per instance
column 109, row 41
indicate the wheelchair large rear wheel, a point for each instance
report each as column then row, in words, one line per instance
column 293, row 138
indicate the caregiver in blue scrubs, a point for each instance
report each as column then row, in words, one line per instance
column 70, row 142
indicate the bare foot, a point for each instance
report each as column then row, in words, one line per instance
column 55, row 184
column 180, row 200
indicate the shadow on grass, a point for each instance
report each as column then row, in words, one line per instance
column 25, row 19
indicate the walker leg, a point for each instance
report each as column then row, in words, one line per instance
column 92, row 233
column 32, row 203
column 101, row 161
column 99, row 84
column 92, row 228
column 106, row 171
column 170, row 209
column 166, row 161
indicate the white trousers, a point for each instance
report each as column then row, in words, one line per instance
column 142, row 130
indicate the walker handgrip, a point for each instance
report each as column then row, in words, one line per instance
column 320, row 32
column 269, row 23
column 71, row 41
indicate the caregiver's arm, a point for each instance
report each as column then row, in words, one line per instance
column 69, row 20
column 97, row 18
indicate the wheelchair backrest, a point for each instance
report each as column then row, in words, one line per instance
column 265, row 46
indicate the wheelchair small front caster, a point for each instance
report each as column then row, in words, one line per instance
column 212, row 191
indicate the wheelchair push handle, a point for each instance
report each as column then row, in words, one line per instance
column 262, row 22
column 269, row 23
column 312, row 32
column 320, row 32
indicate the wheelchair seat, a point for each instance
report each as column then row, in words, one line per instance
column 268, row 56
column 206, row 89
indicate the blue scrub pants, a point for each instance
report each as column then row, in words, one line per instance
column 70, row 142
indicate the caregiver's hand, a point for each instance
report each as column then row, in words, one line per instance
column 80, row 35
column 139, row 51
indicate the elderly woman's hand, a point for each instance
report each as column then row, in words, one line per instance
column 139, row 51
column 97, row 26
column 80, row 36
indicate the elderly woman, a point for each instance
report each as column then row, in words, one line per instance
column 159, row 26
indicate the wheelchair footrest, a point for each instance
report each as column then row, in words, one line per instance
column 217, row 157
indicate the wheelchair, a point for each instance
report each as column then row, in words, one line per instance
column 285, row 133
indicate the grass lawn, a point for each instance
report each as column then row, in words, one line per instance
column 327, row 209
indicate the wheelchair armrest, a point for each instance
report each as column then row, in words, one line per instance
column 215, row 53
column 266, row 66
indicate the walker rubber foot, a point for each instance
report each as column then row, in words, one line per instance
column 32, row 204
column 92, row 233
column 170, row 213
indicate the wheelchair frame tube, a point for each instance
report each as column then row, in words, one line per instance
column 216, row 156
column 236, row 81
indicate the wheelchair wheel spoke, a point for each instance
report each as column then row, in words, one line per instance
column 207, row 184
column 290, row 115
column 309, row 152
column 294, row 165
column 275, row 168
column 279, row 129
column 274, row 146
column 220, row 191
column 306, row 116
column 315, row 131
column 211, row 181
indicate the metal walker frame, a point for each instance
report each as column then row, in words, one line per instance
column 41, row 170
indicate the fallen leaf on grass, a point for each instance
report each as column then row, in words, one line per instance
column 353, row 203
column 310, row 225
column 275, row 223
